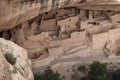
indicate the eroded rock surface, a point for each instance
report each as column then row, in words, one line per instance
column 4, row 68
column 21, row 69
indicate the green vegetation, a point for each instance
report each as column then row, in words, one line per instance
column 82, row 68
column 10, row 58
column 75, row 76
column 116, row 75
column 49, row 74
column 97, row 71
column 84, row 78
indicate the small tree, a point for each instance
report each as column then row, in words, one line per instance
column 10, row 58
column 97, row 71
column 49, row 74
column 39, row 77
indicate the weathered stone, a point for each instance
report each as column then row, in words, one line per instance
column 99, row 40
column 70, row 24
column 22, row 62
column 17, row 34
column 79, row 37
column 4, row 68
column 114, row 35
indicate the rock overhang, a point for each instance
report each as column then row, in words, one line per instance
column 14, row 14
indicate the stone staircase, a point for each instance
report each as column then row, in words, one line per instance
column 76, row 49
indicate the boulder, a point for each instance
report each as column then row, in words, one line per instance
column 22, row 65
column 4, row 68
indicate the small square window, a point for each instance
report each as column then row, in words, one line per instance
column 56, row 12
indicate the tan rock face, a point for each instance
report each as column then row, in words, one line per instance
column 12, row 12
column 4, row 68
column 99, row 40
column 22, row 66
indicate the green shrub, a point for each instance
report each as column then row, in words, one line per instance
column 75, row 76
column 49, row 74
column 39, row 77
column 98, row 71
column 84, row 78
column 10, row 58
column 82, row 68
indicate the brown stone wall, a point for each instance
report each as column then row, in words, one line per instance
column 48, row 25
column 69, row 24
column 27, row 29
column 17, row 34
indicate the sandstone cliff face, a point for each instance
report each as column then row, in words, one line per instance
column 13, row 13
column 21, row 70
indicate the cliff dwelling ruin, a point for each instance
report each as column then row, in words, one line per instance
column 51, row 29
